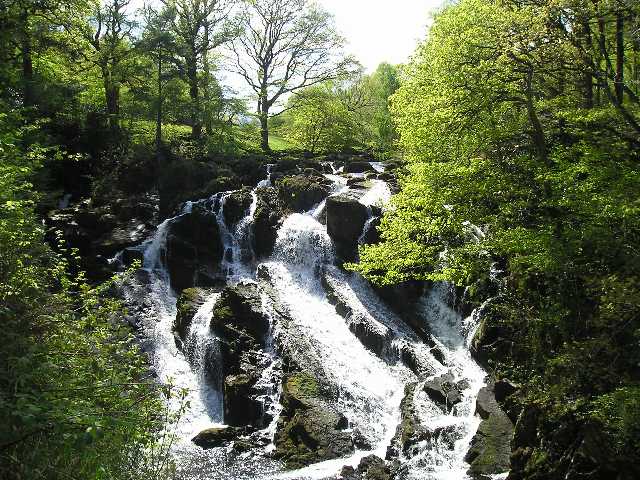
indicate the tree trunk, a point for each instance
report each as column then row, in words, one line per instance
column 194, row 94
column 263, row 115
column 27, row 62
column 537, row 134
column 587, row 77
column 112, row 97
column 159, row 111
column 619, row 82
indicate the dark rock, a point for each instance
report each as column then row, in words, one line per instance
column 373, row 467
column 491, row 341
column 240, row 325
column 346, row 217
column 193, row 245
column 216, row 437
column 189, row 301
column 240, row 406
column 300, row 193
column 132, row 254
column 358, row 167
column 490, row 448
column 310, row 429
column 504, row 388
column 372, row 235
column 266, row 221
column 444, row 391
column 410, row 430
column 236, row 205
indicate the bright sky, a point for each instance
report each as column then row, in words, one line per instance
column 382, row 30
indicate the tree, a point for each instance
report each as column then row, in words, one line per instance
column 199, row 26
column 158, row 41
column 287, row 45
column 104, row 41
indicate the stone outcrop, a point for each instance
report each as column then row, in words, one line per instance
column 266, row 221
column 300, row 193
column 358, row 167
column 189, row 301
column 346, row 218
column 444, row 391
column 310, row 429
column 236, row 205
column 490, row 448
column 241, row 325
column 194, row 249
column 370, row 467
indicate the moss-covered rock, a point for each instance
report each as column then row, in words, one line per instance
column 300, row 193
column 310, row 429
column 194, row 248
column 490, row 449
column 236, row 206
column 266, row 221
column 346, row 218
column 189, row 301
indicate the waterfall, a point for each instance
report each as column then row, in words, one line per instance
column 364, row 351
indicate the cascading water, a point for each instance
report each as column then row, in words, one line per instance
column 369, row 385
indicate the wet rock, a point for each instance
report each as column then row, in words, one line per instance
column 266, row 221
column 410, row 430
column 358, row 167
column 490, row 448
column 189, row 301
column 346, row 217
column 240, row 405
column 216, row 436
column 491, row 341
column 444, row 391
column 240, row 325
column 310, row 429
column 236, row 205
column 300, row 193
column 372, row 235
column 373, row 467
column 193, row 245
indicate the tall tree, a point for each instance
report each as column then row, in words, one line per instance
column 200, row 26
column 287, row 45
column 159, row 42
column 104, row 41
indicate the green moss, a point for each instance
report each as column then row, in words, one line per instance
column 302, row 386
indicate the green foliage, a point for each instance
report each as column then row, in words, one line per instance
column 345, row 116
column 513, row 166
column 75, row 400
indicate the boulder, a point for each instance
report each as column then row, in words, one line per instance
column 370, row 467
column 410, row 430
column 444, row 391
column 300, row 193
column 346, row 218
column 193, row 245
column 490, row 341
column 266, row 221
column 240, row 325
column 216, row 437
column 309, row 429
column 241, row 407
column 189, row 301
column 490, row 449
column 236, row 205
column 358, row 167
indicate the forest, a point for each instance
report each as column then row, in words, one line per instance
column 228, row 250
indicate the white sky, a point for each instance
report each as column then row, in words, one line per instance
column 376, row 30
column 381, row 30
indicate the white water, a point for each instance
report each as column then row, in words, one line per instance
column 368, row 388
